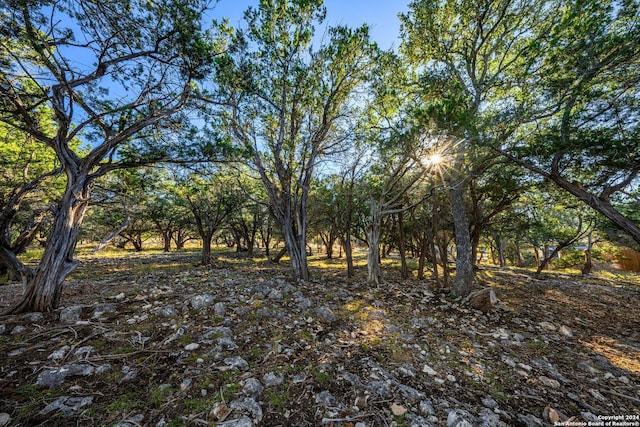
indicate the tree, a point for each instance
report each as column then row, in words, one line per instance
column 493, row 192
column 288, row 104
column 251, row 217
column 464, row 51
column 122, row 207
column 388, row 184
column 145, row 58
column 212, row 199
column 554, row 225
column 588, row 83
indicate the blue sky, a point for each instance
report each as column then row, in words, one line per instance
column 381, row 15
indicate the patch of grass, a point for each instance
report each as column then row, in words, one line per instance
column 197, row 404
column 499, row 396
column 176, row 422
column 230, row 390
column 255, row 353
column 400, row 421
column 278, row 399
column 26, row 411
column 320, row 376
column 124, row 403
column 34, row 392
column 539, row 347
column 160, row 394
column 125, row 350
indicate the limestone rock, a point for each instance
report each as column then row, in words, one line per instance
column 380, row 388
column 101, row 309
column 252, row 387
column 235, row 363
column 69, row 315
column 548, row 382
column 67, row 405
column 530, row 420
column 429, row 370
column 325, row 315
column 398, row 410
column 249, row 405
column 326, row 398
column 272, row 379
column 52, row 378
column 459, row 418
column 198, row 302
column 219, row 309
column 167, row 311
column 240, row 422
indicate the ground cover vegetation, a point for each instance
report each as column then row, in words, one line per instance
column 385, row 214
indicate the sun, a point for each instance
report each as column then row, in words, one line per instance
column 434, row 159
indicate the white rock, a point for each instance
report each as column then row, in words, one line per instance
column 19, row 329
column 398, row 410
column 186, row 384
column 59, row 354
column 551, row 383
column 429, row 370
column 597, row 395
column 547, row 325
column 192, row 346
column 566, row 331
column 5, row 419
column 120, row 296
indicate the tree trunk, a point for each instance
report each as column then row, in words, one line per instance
column 374, row 275
column 112, row 236
column 265, row 236
column 277, row 257
column 329, row 241
column 348, row 253
column 433, row 236
column 547, row 257
column 475, row 235
column 443, row 252
column 167, row 236
column 250, row 246
column 520, row 261
column 402, row 247
column 500, row 247
column 423, row 255
column 180, row 238
column 44, row 288
column 206, row 247
column 464, row 261
column 587, row 268
column 136, row 241
column 297, row 252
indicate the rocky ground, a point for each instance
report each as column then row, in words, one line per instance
column 156, row 340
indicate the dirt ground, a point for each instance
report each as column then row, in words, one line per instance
column 158, row 340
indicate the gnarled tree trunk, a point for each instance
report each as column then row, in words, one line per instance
column 44, row 286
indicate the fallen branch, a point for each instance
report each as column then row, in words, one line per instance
column 631, row 398
column 346, row 419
